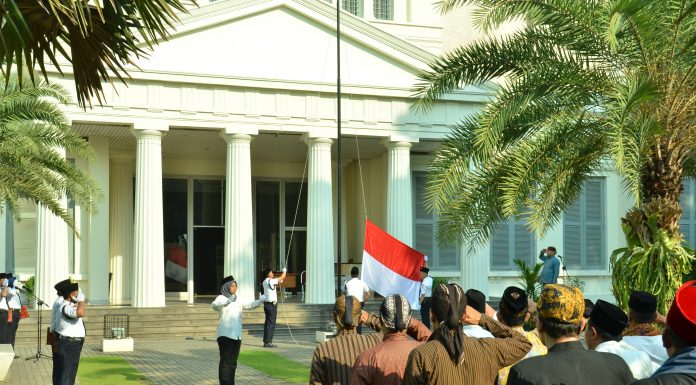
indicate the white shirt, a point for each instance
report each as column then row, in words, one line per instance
column 230, row 321
column 652, row 345
column 55, row 312
column 269, row 289
column 639, row 362
column 68, row 323
column 13, row 300
column 476, row 331
column 427, row 287
column 357, row 289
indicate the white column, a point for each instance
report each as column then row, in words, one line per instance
column 148, row 236
column 399, row 192
column 98, row 256
column 368, row 9
column 474, row 268
column 400, row 11
column 121, row 224
column 320, row 226
column 51, row 249
column 239, row 224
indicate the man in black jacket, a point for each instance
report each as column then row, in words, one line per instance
column 559, row 322
column 679, row 338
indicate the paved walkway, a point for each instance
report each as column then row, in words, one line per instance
column 170, row 362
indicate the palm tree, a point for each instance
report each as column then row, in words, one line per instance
column 587, row 86
column 99, row 38
column 32, row 127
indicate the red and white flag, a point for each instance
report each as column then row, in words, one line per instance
column 389, row 266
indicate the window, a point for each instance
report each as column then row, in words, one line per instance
column 439, row 257
column 583, row 228
column 384, row 9
column 688, row 219
column 512, row 240
column 353, row 6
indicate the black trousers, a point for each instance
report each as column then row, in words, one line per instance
column 270, row 309
column 68, row 359
column 425, row 312
column 4, row 327
column 362, row 306
column 12, row 328
column 229, row 354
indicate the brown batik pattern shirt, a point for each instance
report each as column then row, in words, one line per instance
column 483, row 358
column 333, row 360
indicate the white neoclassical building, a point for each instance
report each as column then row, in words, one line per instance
column 219, row 157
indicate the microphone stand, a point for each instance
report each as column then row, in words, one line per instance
column 39, row 352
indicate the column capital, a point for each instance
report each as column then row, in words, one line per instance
column 309, row 140
column 139, row 134
column 399, row 141
column 236, row 138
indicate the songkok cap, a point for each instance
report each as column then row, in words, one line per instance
column 476, row 299
column 514, row 299
column 395, row 312
column 226, row 279
column 589, row 305
column 3, row 275
column 425, row 269
column 642, row 302
column 681, row 317
column 561, row 303
column 66, row 286
column 608, row 318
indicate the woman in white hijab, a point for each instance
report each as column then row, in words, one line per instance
column 229, row 330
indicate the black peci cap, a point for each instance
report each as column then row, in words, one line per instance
column 476, row 299
column 642, row 302
column 608, row 318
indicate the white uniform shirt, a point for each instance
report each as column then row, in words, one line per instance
column 55, row 312
column 269, row 289
column 652, row 345
column 3, row 303
column 476, row 331
column 13, row 300
column 68, row 324
column 357, row 289
column 426, row 288
column 639, row 362
column 230, row 321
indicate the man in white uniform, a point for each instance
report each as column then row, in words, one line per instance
column 641, row 332
column 229, row 329
column 357, row 288
column 603, row 334
column 70, row 330
column 270, row 306
column 4, row 325
column 426, row 292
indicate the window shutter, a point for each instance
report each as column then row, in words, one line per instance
column 424, row 239
column 500, row 247
column 523, row 246
column 594, row 234
column 572, row 237
column 419, row 182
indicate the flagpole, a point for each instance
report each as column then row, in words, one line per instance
column 338, row 144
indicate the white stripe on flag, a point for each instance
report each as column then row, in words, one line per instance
column 385, row 281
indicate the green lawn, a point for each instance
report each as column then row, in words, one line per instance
column 110, row 370
column 275, row 365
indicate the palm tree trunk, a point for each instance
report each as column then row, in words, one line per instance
column 662, row 186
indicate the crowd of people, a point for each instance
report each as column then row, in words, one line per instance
column 574, row 341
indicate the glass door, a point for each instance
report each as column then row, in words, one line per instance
column 208, row 235
column 175, row 203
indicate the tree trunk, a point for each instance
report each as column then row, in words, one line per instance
column 662, row 186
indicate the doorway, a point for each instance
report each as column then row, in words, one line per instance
column 281, row 225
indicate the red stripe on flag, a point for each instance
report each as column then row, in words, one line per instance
column 392, row 253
